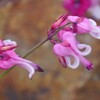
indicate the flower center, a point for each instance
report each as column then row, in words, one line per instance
column 77, row 3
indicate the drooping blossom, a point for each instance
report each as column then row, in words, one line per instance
column 79, row 25
column 77, row 7
column 66, row 47
column 8, row 58
column 69, row 51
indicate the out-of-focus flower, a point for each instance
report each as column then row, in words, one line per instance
column 79, row 25
column 77, row 7
column 81, row 7
column 8, row 59
column 68, row 51
column 94, row 9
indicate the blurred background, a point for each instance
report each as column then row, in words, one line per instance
column 27, row 22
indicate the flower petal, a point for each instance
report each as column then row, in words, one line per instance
column 93, row 22
column 86, row 62
column 62, row 61
column 74, row 45
column 9, row 42
column 6, row 64
column 75, row 64
column 34, row 65
column 28, row 67
column 60, row 50
column 95, row 32
column 86, row 47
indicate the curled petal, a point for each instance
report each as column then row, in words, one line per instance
column 75, row 63
column 86, row 47
column 35, row 66
column 28, row 67
column 76, row 46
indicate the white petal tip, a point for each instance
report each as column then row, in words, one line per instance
column 95, row 32
column 9, row 42
column 30, row 75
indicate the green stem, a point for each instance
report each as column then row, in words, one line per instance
column 35, row 47
column 41, row 43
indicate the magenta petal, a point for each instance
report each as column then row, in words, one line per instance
column 38, row 68
column 6, row 64
column 62, row 61
column 74, row 46
column 61, row 50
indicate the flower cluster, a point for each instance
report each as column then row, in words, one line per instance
column 8, row 58
column 67, row 48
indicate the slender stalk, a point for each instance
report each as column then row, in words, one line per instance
column 41, row 43
column 6, row 72
column 35, row 47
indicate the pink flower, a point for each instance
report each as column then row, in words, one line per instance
column 8, row 59
column 61, row 21
column 77, row 7
column 85, row 25
column 79, row 25
column 68, row 51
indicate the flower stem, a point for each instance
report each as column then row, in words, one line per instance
column 35, row 47
column 41, row 43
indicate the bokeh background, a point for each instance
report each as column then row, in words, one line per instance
column 27, row 22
